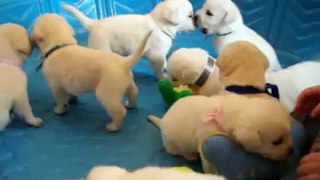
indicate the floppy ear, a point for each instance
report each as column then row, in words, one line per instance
column 36, row 37
column 171, row 15
column 248, row 138
column 225, row 64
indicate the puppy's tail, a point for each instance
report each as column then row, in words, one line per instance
column 135, row 57
column 155, row 120
column 84, row 20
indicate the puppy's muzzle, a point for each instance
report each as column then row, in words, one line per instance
column 196, row 21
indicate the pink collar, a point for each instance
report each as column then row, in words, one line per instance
column 6, row 62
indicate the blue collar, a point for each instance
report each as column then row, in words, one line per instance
column 270, row 89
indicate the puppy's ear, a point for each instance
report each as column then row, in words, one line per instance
column 248, row 138
column 226, row 64
column 171, row 15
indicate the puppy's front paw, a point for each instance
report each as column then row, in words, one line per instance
column 129, row 106
column 36, row 122
column 60, row 110
column 112, row 127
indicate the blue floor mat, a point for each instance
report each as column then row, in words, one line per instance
column 68, row 146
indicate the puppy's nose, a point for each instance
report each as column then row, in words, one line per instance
column 290, row 151
column 196, row 20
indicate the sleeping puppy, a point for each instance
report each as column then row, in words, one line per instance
column 121, row 33
column 15, row 48
column 154, row 173
column 223, row 18
column 245, row 118
column 194, row 67
column 72, row 70
column 188, row 66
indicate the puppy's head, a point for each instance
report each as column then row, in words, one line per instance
column 186, row 65
column 216, row 14
column 262, row 126
column 175, row 13
column 106, row 172
column 242, row 63
column 51, row 30
column 17, row 38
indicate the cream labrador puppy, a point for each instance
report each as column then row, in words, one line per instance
column 195, row 67
column 121, row 33
column 148, row 173
column 245, row 118
column 187, row 66
column 223, row 18
column 72, row 70
column 15, row 48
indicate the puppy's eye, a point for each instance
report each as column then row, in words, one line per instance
column 209, row 13
column 277, row 142
column 190, row 16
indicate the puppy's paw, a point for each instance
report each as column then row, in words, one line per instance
column 36, row 122
column 129, row 106
column 112, row 127
column 191, row 157
column 60, row 110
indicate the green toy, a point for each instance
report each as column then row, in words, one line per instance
column 171, row 94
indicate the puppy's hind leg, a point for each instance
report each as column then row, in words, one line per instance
column 4, row 118
column 61, row 97
column 111, row 98
column 22, row 107
column 132, row 93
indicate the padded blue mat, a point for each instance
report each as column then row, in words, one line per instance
column 66, row 147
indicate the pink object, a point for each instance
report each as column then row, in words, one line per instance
column 216, row 117
column 6, row 62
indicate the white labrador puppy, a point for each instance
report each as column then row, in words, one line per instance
column 15, row 48
column 147, row 173
column 121, row 33
column 194, row 66
column 223, row 18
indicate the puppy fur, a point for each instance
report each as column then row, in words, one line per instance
column 223, row 16
column 73, row 70
column 15, row 48
column 246, row 119
column 155, row 173
column 185, row 66
column 121, row 33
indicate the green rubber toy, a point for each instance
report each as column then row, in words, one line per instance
column 171, row 94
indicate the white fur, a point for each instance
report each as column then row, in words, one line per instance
column 147, row 173
column 227, row 18
column 121, row 33
column 185, row 65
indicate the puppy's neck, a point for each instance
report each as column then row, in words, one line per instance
column 164, row 27
column 232, row 27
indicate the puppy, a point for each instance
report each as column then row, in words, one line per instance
column 245, row 118
column 15, row 48
column 121, row 33
column 72, row 70
column 193, row 66
column 223, row 18
column 185, row 66
column 155, row 173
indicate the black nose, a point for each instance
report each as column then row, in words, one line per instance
column 196, row 20
column 204, row 31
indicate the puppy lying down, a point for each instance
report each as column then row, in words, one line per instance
column 148, row 173
column 72, row 70
column 188, row 65
column 15, row 48
column 256, row 121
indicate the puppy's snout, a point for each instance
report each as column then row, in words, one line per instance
column 290, row 151
column 196, row 20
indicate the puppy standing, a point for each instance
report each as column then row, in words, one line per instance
column 247, row 119
column 193, row 66
column 121, row 33
column 15, row 48
column 223, row 18
column 72, row 70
